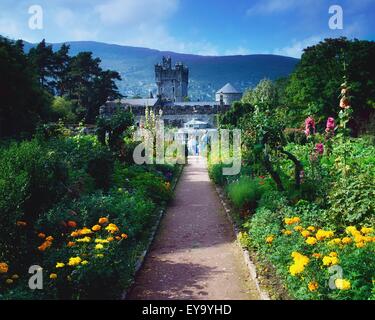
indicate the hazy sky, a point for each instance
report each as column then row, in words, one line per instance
column 209, row 27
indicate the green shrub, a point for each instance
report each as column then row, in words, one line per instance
column 246, row 192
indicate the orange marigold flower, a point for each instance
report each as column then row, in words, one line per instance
column 71, row 244
column 118, row 238
column 110, row 239
column 96, row 228
column 124, row 236
column 4, row 267
column 103, row 220
column 21, row 223
column 41, row 235
column 74, row 234
column 50, row 238
column 313, row 286
column 44, row 245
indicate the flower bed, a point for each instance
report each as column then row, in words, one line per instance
column 85, row 219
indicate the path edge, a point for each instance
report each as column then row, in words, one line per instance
column 245, row 253
column 140, row 262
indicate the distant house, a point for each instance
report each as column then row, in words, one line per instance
column 228, row 94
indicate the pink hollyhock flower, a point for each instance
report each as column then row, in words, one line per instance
column 330, row 126
column 319, row 148
column 309, row 126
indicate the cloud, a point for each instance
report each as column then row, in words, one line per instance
column 296, row 48
column 272, row 6
column 237, row 51
column 127, row 12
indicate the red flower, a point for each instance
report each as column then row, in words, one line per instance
column 319, row 148
column 330, row 126
column 72, row 224
column 309, row 126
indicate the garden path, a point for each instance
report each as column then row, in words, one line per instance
column 194, row 255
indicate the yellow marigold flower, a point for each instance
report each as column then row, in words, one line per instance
column 100, row 255
column 101, row 240
column 296, row 219
column 103, row 220
column 333, row 254
column 367, row 239
column 60, row 265
column 305, row 233
column 289, row 221
column 74, row 261
column 334, row 241
column 96, row 228
column 366, row 230
column 53, row 276
column 346, row 240
column 330, row 261
column 351, row 229
column 311, row 241
column 324, row 234
column 85, row 231
column 9, row 281
column 85, row 239
column 15, row 277
column 112, row 228
column 4, row 267
column 288, row 232
column 298, row 228
column 311, row 228
column 84, row 262
column 342, row 284
column 296, row 268
column 360, row 244
column 313, row 286
column 110, row 239
column 270, row 239
column 50, row 238
column 99, row 246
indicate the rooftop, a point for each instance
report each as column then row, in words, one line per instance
column 228, row 88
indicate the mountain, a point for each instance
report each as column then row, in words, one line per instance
column 207, row 73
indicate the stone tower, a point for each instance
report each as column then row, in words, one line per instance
column 172, row 82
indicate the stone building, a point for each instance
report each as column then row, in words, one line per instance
column 172, row 82
column 228, row 94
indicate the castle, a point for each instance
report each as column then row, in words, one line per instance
column 172, row 82
column 171, row 101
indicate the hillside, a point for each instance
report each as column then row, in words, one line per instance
column 207, row 73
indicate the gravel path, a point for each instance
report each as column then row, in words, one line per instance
column 194, row 255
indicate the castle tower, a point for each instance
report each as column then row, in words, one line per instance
column 172, row 82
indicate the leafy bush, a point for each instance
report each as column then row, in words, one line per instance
column 246, row 192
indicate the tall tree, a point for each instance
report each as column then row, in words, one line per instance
column 313, row 87
column 22, row 100
column 42, row 58
column 61, row 66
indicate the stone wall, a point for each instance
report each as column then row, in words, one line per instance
column 175, row 115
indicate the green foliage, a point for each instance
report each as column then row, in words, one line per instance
column 246, row 192
column 313, row 86
column 63, row 109
column 23, row 102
